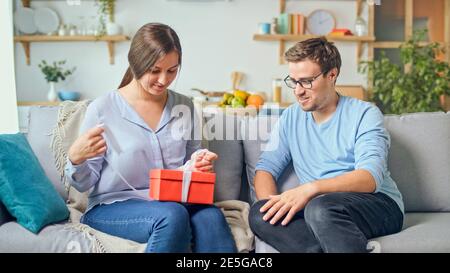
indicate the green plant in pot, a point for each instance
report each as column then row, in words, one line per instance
column 416, row 86
column 54, row 73
column 106, row 10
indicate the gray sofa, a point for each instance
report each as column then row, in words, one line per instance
column 419, row 161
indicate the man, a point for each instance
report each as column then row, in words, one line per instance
column 339, row 148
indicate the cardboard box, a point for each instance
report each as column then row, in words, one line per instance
column 356, row 91
column 167, row 185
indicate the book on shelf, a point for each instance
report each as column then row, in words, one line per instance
column 291, row 23
column 300, row 24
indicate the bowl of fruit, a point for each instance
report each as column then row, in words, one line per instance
column 241, row 99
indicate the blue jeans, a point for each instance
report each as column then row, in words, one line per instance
column 334, row 222
column 164, row 226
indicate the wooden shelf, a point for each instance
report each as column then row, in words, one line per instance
column 26, row 40
column 38, row 103
column 282, row 38
column 291, row 37
column 359, row 40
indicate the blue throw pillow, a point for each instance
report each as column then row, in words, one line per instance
column 25, row 190
column 4, row 215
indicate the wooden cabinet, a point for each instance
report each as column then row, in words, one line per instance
column 436, row 13
column 360, row 40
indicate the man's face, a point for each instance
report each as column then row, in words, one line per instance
column 322, row 86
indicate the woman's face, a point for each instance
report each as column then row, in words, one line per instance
column 157, row 80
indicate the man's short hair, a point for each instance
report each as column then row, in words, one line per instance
column 318, row 50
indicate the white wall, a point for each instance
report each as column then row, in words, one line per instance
column 8, row 104
column 216, row 38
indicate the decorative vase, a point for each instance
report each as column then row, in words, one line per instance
column 52, row 95
column 113, row 29
column 360, row 27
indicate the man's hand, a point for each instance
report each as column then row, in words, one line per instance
column 203, row 162
column 289, row 202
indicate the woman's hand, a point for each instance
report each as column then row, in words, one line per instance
column 203, row 161
column 88, row 145
column 289, row 202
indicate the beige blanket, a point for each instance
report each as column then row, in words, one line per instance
column 236, row 213
column 70, row 116
column 69, row 119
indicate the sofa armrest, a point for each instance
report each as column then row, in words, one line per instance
column 4, row 215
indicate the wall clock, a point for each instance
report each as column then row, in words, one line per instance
column 320, row 22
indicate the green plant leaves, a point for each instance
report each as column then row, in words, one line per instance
column 415, row 87
column 55, row 72
column 106, row 8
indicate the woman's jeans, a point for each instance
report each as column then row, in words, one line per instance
column 334, row 222
column 164, row 226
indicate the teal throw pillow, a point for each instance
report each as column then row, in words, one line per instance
column 25, row 190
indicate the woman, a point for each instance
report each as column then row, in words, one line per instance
column 137, row 123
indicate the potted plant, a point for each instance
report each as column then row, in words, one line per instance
column 106, row 10
column 53, row 74
column 419, row 85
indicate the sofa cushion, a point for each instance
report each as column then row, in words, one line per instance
column 24, row 189
column 56, row 238
column 255, row 134
column 422, row 232
column 221, row 132
column 228, row 168
column 419, row 159
column 42, row 120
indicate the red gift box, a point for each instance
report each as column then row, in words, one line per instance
column 167, row 185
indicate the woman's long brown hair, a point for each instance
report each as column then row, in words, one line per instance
column 149, row 44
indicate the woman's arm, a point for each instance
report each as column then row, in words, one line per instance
column 85, row 156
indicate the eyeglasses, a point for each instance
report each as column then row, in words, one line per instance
column 305, row 83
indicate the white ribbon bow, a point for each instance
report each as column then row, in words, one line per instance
column 187, row 175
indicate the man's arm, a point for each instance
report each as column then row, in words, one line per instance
column 354, row 181
column 264, row 185
column 371, row 149
column 273, row 161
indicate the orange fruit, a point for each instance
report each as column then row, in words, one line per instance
column 255, row 100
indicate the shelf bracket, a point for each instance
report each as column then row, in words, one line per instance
column 358, row 8
column 281, row 49
column 26, row 48
column 359, row 51
column 111, row 52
